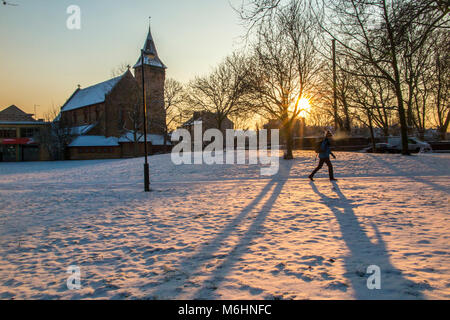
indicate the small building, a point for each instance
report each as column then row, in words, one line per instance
column 208, row 120
column 20, row 136
column 94, row 147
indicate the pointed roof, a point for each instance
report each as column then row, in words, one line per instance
column 14, row 114
column 91, row 95
column 150, row 47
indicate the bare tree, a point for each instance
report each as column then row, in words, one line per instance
column 371, row 32
column 131, row 122
column 222, row 92
column 320, row 116
column 440, row 82
column 55, row 136
column 241, row 123
column 284, row 67
column 257, row 12
column 175, row 104
column 51, row 114
column 120, row 69
column 344, row 82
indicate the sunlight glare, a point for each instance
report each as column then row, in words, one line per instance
column 305, row 106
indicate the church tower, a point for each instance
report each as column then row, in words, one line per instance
column 154, row 77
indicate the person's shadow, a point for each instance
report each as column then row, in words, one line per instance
column 364, row 253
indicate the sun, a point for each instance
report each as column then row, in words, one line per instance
column 305, row 106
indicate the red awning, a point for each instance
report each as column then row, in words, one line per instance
column 20, row 141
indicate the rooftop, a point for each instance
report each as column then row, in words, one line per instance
column 91, row 95
column 150, row 47
column 14, row 115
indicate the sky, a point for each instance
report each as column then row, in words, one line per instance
column 42, row 61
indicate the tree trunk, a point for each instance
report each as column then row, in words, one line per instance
column 442, row 134
column 397, row 84
column 403, row 123
column 410, row 117
column 347, row 125
column 289, row 140
column 386, row 131
column 372, row 135
column 443, row 128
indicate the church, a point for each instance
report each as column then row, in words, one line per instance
column 105, row 120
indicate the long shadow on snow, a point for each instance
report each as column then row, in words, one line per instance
column 192, row 264
column 364, row 253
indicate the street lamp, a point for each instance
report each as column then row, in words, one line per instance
column 149, row 55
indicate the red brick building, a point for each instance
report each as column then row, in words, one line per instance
column 112, row 111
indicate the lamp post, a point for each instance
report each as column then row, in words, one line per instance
column 146, row 167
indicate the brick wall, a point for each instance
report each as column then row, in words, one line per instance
column 112, row 116
column 92, row 153
column 154, row 88
column 83, row 116
column 121, row 104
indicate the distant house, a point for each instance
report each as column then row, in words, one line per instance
column 208, row 120
column 106, row 120
column 20, row 136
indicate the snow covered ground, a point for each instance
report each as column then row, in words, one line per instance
column 224, row 232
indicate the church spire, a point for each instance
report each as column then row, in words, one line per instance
column 150, row 47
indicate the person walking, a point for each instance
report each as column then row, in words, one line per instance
column 324, row 156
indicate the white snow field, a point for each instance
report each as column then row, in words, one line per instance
column 224, row 232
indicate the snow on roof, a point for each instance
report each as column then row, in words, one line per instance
column 94, row 141
column 193, row 122
column 91, row 95
column 155, row 62
column 58, row 118
column 78, row 131
column 150, row 47
column 155, row 139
